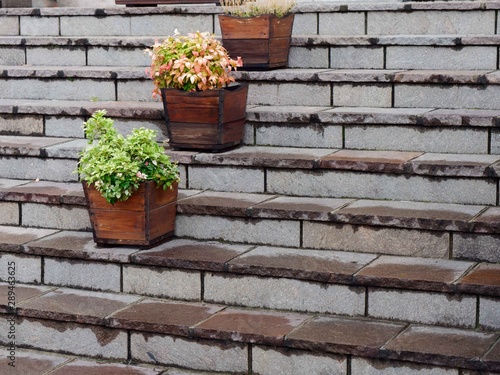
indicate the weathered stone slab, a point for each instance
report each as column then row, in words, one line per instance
column 33, row 26
column 362, row 115
column 364, row 366
column 248, row 180
column 64, row 56
column 289, row 94
column 18, row 294
column 353, row 57
column 362, row 95
column 68, row 150
column 44, row 192
column 55, row 216
column 21, row 125
column 488, row 314
column 480, row 247
column 488, row 221
column 113, row 56
column 9, row 214
column 341, row 23
column 29, row 363
column 483, row 279
column 12, row 237
column 91, row 368
column 288, row 114
column 300, row 57
column 27, row 269
column 68, row 127
column 10, row 25
column 27, row 146
column 453, row 165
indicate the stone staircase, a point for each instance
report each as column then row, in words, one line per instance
column 356, row 232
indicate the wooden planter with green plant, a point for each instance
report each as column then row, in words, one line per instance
column 130, row 185
column 204, row 107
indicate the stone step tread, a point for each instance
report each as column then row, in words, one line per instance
column 273, row 114
column 26, row 360
column 396, row 214
column 310, row 75
column 127, row 41
column 322, row 266
column 317, row 159
column 471, row 349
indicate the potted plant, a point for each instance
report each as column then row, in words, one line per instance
column 204, row 107
column 258, row 30
column 130, row 185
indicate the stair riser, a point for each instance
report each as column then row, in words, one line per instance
column 462, row 310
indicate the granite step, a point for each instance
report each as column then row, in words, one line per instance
column 214, row 337
column 380, row 88
column 397, row 129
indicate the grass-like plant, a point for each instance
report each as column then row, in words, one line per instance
column 195, row 62
column 117, row 165
column 252, row 8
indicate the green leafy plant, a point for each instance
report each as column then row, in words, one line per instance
column 195, row 62
column 117, row 165
column 252, row 8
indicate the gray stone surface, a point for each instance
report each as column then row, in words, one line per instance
column 52, row 216
column 38, row 26
column 248, row 180
column 93, row 26
column 266, row 232
column 285, row 294
column 431, row 22
column 134, row 90
column 453, row 164
column 82, row 274
column 63, row 56
column 305, row 57
column 9, row 213
column 427, row 308
column 305, row 24
column 166, row 24
column 342, row 184
column 363, row 366
column 106, row 56
column 356, row 57
column 32, row 168
column 12, row 56
column 266, row 361
column 300, row 136
column 199, row 354
column 349, row 95
column 289, row 94
column 159, row 282
column 64, row 126
column 27, row 269
column 495, row 142
column 341, row 23
column 21, row 125
column 411, row 57
column 9, row 26
column 489, row 315
column 410, row 138
column 482, row 247
column 379, row 241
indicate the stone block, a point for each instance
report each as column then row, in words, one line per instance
column 313, row 135
column 363, row 366
column 362, row 95
column 69, row 127
column 376, row 240
column 266, row 232
column 447, row 96
column 431, row 57
column 284, row 294
column 82, row 274
column 488, row 312
column 21, row 124
column 9, row 26
column 307, row 57
column 337, row 23
column 318, row 94
column 478, row 247
column 162, row 282
column 266, row 361
column 55, row 216
column 431, row 23
column 27, row 269
column 130, row 90
column 63, row 56
column 421, row 307
column 305, row 24
column 336, row 184
column 495, row 142
column 165, row 24
column 9, row 214
column 247, row 180
column 411, row 138
column 33, row 168
column 199, row 355
column 12, row 56
column 356, row 57
column 88, row 340
column 111, row 56
column 38, row 26
column 95, row 26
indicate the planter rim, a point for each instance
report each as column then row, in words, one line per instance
column 259, row 16
column 233, row 87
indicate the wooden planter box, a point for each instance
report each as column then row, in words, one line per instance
column 145, row 219
column 263, row 42
column 209, row 120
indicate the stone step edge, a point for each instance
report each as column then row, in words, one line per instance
column 444, row 217
column 253, row 326
column 438, row 40
column 305, row 76
column 324, row 266
column 273, row 114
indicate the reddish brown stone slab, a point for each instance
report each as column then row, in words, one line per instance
column 453, row 165
column 316, row 265
column 18, row 294
column 79, row 245
column 369, row 161
column 343, row 335
column 12, row 238
column 492, row 358
column 90, row 368
column 45, row 192
column 488, row 221
column 209, row 256
column 441, row 346
column 220, row 203
column 411, row 215
column 163, row 317
column 28, row 363
column 75, row 306
column 298, row 208
column 268, row 328
column 413, row 273
column 484, row 279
